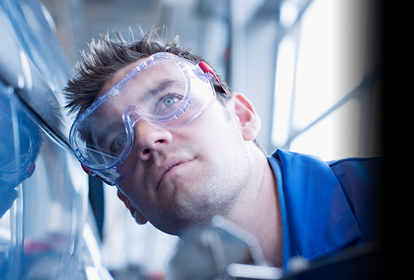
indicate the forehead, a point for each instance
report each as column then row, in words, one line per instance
column 119, row 75
column 148, row 78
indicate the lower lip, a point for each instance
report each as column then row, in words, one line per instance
column 170, row 171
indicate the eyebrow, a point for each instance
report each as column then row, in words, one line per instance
column 154, row 91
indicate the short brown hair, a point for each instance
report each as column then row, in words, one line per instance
column 107, row 56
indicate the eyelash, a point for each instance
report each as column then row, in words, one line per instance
column 169, row 95
column 162, row 99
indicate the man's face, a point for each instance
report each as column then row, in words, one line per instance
column 189, row 174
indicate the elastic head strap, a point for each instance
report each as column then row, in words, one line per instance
column 207, row 69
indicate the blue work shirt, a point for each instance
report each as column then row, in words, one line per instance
column 326, row 206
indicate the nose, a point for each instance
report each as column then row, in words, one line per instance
column 150, row 139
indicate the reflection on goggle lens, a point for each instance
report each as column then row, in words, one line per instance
column 19, row 142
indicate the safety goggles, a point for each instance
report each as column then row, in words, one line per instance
column 164, row 90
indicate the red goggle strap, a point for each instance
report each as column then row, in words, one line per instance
column 89, row 172
column 207, row 69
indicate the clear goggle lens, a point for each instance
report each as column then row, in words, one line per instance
column 165, row 90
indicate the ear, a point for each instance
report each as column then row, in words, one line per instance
column 248, row 121
column 139, row 218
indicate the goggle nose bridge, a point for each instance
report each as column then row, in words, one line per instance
column 128, row 114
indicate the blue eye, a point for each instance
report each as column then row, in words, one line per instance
column 170, row 100
column 119, row 142
column 166, row 103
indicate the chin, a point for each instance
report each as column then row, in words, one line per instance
column 176, row 224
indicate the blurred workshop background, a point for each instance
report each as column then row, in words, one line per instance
column 310, row 67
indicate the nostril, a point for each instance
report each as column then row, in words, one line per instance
column 146, row 151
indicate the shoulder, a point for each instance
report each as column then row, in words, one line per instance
column 326, row 205
column 362, row 182
column 361, row 171
column 357, row 163
column 368, row 167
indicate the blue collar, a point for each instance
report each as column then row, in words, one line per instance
column 316, row 216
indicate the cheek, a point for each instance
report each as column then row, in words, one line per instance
column 132, row 191
column 215, row 130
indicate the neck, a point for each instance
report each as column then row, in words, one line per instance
column 259, row 212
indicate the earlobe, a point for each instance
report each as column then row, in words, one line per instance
column 139, row 218
column 248, row 120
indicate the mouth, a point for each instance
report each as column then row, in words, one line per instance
column 166, row 167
